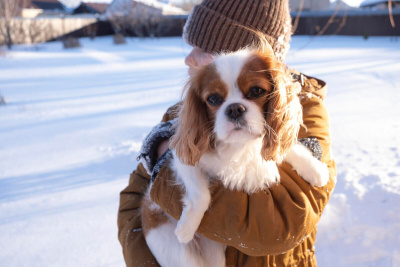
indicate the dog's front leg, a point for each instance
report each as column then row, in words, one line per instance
column 311, row 169
column 196, row 200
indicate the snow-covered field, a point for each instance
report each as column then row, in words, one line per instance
column 74, row 120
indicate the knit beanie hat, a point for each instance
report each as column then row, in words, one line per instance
column 229, row 25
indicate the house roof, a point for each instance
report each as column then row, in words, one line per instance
column 91, row 8
column 25, row 4
column 368, row 3
column 40, row 4
column 166, row 8
column 99, row 7
column 338, row 3
column 48, row 4
column 119, row 6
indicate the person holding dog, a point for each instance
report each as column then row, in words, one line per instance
column 275, row 227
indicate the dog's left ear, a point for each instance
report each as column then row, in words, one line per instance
column 283, row 113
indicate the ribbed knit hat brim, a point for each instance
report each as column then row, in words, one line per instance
column 214, row 32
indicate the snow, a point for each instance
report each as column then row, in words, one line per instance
column 75, row 119
column 361, row 225
column 71, row 3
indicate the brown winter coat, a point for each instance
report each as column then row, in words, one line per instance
column 274, row 227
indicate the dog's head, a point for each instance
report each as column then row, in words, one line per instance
column 239, row 97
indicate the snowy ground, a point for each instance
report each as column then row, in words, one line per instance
column 74, row 122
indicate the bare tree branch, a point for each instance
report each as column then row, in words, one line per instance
column 391, row 13
column 296, row 21
column 9, row 9
column 139, row 19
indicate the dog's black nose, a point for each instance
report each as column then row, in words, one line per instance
column 235, row 111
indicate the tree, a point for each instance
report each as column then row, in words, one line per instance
column 9, row 9
column 91, row 30
column 34, row 30
column 131, row 17
column 38, row 30
column 2, row 101
column 2, row 51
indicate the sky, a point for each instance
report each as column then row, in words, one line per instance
column 354, row 3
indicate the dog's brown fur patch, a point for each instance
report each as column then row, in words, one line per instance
column 151, row 217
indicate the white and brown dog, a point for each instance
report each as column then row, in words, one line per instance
column 239, row 119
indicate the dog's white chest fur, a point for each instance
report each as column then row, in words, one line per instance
column 240, row 167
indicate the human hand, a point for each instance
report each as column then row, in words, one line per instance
column 162, row 147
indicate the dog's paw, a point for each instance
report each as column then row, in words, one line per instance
column 320, row 176
column 189, row 222
column 185, row 231
column 312, row 170
column 272, row 171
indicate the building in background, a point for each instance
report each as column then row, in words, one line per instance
column 379, row 4
column 122, row 8
column 34, row 8
column 35, row 21
column 145, row 18
column 91, row 8
column 339, row 4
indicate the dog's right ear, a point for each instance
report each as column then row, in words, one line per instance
column 283, row 110
column 193, row 133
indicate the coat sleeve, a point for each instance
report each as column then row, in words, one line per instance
column 130, row 234
column 268, row 222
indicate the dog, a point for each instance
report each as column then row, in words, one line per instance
column 239, row 119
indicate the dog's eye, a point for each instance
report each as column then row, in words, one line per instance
column 255, row 92
column 214, row 100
